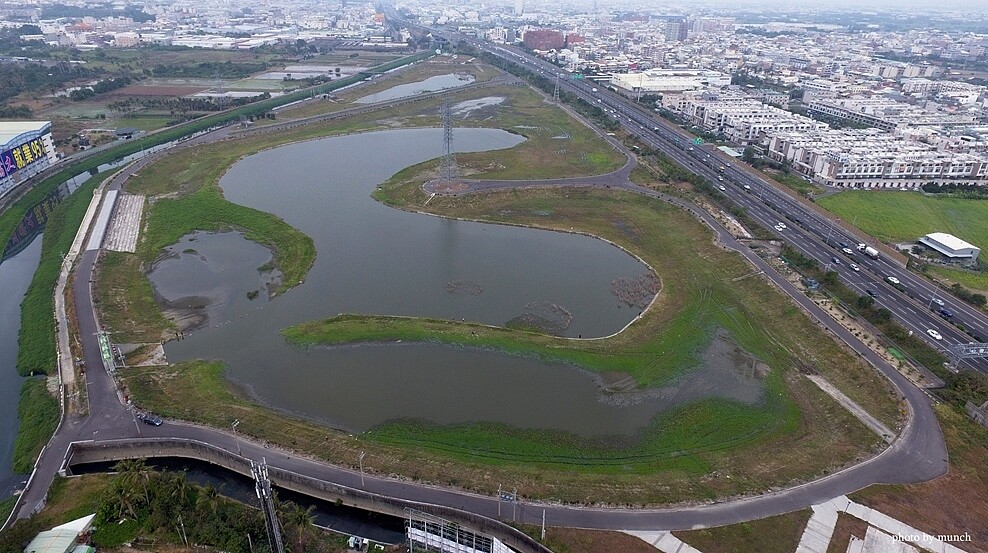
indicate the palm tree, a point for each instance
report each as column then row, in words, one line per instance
column 208, row 500
column 301, row 519
column 134, row 471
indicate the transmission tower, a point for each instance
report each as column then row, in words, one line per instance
column 555, row 91
column 262, row 485
column 448, row 170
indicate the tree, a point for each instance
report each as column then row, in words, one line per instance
column 208, row 500
column 301, row 520
column 884, row 315
column 864, row 302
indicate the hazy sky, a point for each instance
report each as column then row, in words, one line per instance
column 891, row 5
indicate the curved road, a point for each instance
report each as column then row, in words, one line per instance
column 918, row 454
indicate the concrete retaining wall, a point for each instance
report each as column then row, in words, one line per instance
column 92, row 452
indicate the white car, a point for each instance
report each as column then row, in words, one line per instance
column 854, row 267
column 782, row 225
column 722, row 189
column 938, row 301
column 934, row 334
column 778, row 228
column 892, row 279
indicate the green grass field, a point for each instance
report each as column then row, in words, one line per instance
column 901, row 216
column 38, row 413
column 969, row 279
column 778, row 534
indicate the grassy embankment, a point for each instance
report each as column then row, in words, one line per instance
column 38, row 410
column 675, row 458
column 905, row 216
column 778, row 534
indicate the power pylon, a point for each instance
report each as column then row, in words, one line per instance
column 448, row 171
column 262, row 485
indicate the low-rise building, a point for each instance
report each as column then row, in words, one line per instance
column 657, row 81
column 951, row 246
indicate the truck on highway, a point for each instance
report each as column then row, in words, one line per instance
column 868, row 250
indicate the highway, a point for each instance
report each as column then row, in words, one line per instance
column 814, row 235
column 917, row 455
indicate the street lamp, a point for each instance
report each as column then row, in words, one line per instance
column 360, row 460
column 133, row 415
column 936, row 290
column 235, row 424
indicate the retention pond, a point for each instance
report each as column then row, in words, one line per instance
column 379, row 260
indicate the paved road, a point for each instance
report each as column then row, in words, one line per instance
column 917, row 455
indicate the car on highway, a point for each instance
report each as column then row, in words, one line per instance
column 872, row 293
column 835, row 260
column 778, row 228
column 746, row 187
column 938, row 301
column 847, row 251
column 720, row 178
column 782, row 225
column 892, row 280
column 946, row 313
column 722, row 188
column 854, row 267
column 934, row 334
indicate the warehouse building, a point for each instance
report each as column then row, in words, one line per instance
column 951, row 246
column 25, row 149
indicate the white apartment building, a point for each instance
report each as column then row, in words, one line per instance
column 885, row 114
column 741, row 119
column 873, row 159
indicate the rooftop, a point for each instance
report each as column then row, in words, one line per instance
column 10, row 129
column 949, row 240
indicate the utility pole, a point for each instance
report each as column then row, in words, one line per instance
column 498, row 501
column 543, row 524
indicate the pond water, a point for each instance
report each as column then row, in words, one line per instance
column 379, row 260
column 432, row 84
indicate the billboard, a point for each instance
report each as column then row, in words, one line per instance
column 21, row 156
